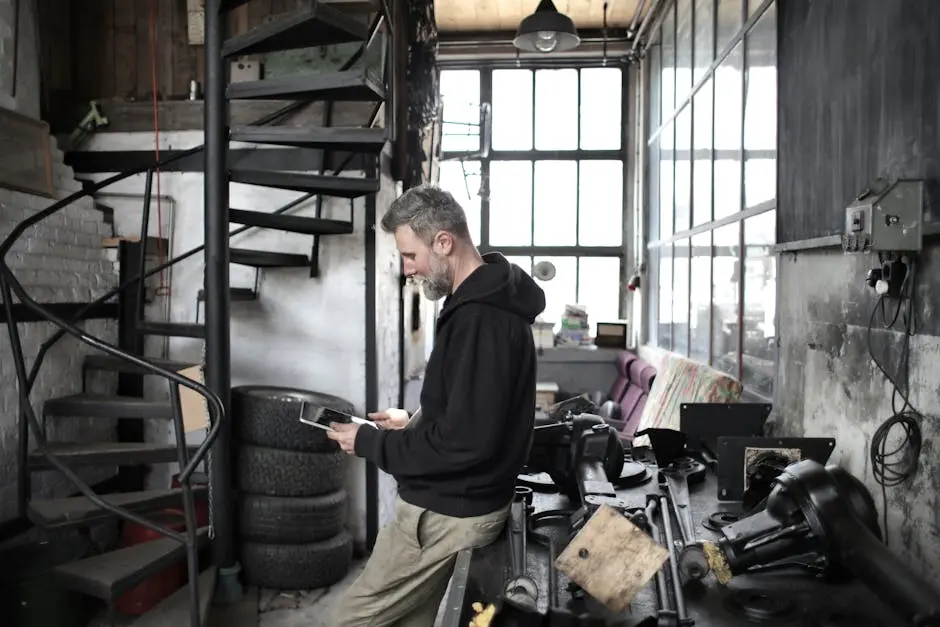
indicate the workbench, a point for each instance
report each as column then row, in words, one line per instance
column 793, row 598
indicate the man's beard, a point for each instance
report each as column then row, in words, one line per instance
column 438, row 284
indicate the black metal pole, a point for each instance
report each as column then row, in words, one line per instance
column 372, row 374
column 218, row 358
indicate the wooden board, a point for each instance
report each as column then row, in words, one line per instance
column 25, row 161
column 611, row 559
column 194, row 404
column 505, row 15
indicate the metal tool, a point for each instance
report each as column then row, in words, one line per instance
column 682, row 615
column 521, row 589
column 92, row 121
column 666, row 614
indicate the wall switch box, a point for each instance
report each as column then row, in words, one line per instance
column 887, row 217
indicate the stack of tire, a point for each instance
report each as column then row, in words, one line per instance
column 291, row 503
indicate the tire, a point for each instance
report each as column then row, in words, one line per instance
column 283, row 520
column 267, row 415
column 273, row 472
column 297, row 566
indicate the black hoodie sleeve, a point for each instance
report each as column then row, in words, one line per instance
column 478, row 377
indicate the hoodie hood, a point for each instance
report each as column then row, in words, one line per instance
column 500, row 284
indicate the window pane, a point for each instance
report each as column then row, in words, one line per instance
column 601, row 102
column 683, row 49
column 462, row 179
column 760, row 298
column 702, row 166
column 668, row 83
column 700, row 284
column 729, row 21
column 664, row 324
column 512, row 110
column 652, row 187
column 704, row 37
column 556, row 203
column 651, row 294
column 460, row 94
column 753, row 5
column 599, row 288
column 666, row 182
column 683, row 189
column 556, row 109
column 510, row 203
column 680, row 298
column 728, row 113
column 600, row 203
column 760, row 109
column 726, row 278
column 561, row 290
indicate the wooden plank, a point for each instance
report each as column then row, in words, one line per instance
column 26, row 161
column 125, row 49
column 164, row 48
column 184, row 55
column 144, row 66
column 611, row 558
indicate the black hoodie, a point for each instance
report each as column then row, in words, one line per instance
column 478, row 400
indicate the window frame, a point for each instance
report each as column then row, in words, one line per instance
column 657, row 121
column 533, row 155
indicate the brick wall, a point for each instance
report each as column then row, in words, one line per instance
column 58, row 260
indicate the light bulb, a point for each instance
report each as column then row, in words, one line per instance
column 546, row 41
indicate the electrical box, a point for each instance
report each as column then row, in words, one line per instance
column 886, row 217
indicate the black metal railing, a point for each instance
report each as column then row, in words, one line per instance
column 29, row 423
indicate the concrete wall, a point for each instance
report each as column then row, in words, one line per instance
column 22, row 35
column 301, row 332
column 60, row 260
column 857, row 99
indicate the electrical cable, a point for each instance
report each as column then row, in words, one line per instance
column 894, row 467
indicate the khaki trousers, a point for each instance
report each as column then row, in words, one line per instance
column 406, row 577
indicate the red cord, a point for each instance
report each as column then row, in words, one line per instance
column 156, row 139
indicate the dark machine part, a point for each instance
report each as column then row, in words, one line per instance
column 760, row 605
column 610, row 411
column 676, row 477
column 704, row 423
column 521, row 589
column 633, row 474
column 583, row 456
column 716, row 521
column 665, row 614
column 827, row 512
column 732, row 452
column 682, row 614
column 760, row 477
column 668, row 444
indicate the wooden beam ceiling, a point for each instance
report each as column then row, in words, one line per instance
column 505, row 15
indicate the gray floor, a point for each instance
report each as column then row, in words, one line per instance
column 306, row 608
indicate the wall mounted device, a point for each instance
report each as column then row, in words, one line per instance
column 886, row 217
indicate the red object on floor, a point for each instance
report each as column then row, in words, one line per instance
column 140, row 599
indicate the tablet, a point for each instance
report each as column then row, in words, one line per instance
column 321, row 417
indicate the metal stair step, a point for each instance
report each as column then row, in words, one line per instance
column 172, row 329
column 294, row 224
column 107, row 454
column 79, row 511
column 314, row 25
column 236, row 294
column 267, row 259
column 109, row 575
column 101, row 406
column 114, row 364
column 351, row 85
column 174, row 610
column 338, row 186
column 353, row 138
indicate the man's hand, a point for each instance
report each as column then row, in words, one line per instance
column 344, row 435
column 390, row 419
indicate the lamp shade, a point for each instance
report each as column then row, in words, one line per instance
column 546, row 31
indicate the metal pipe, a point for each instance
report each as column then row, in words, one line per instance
column 644, row 25
column 189, row 509
column 636, row 15
column 218, row 359
column 681, row 612
column 661, row 591
column 144, row 232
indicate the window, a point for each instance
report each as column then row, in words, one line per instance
column 711, row 187
column 551, row 187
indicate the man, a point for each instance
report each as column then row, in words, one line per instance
column 457, row 459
